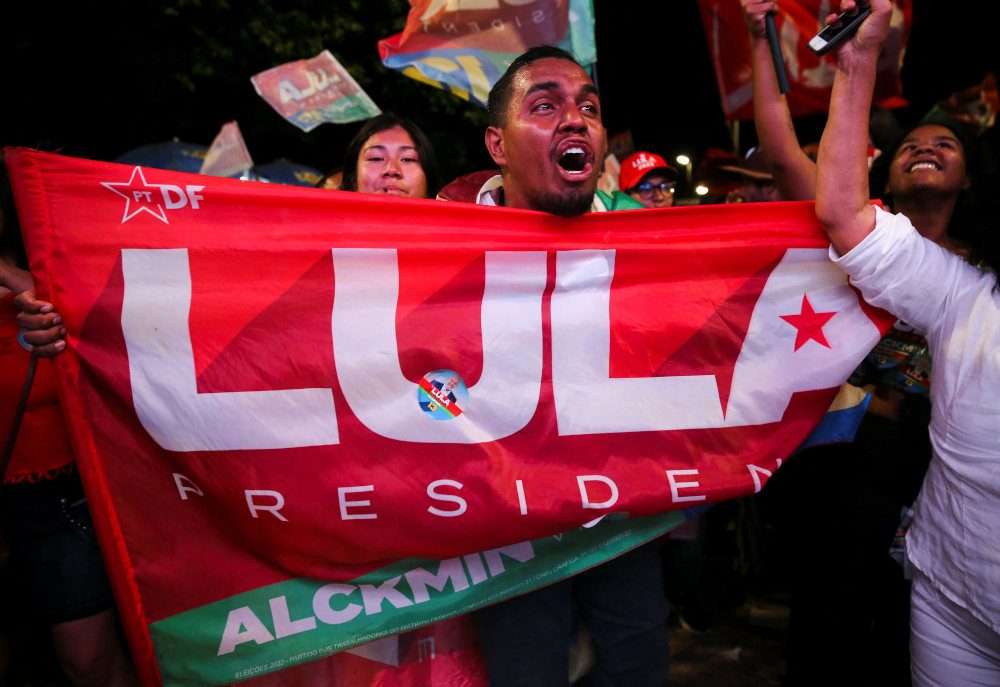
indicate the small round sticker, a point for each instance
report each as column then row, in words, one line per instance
column 442, row 394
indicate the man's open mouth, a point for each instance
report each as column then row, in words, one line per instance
column 575, row 160
column 924, row 164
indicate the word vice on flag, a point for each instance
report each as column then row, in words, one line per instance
column 307, row 419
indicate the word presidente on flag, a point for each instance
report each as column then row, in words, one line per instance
column 299, row 413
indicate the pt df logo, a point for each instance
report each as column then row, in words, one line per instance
column 155, row 199
column 442, row 394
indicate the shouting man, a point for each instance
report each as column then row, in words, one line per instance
column 546, row 134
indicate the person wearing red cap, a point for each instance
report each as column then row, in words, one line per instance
column 648, row 179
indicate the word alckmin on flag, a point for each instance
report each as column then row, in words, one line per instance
column 263, row 388
column 464, row 46
column 311, row 92
column 810, row 76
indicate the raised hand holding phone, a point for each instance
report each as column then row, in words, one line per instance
column 837, row 30
column 842, row 200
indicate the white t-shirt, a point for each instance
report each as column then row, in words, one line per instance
column 955, row 536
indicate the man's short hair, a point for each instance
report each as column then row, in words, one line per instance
column 500, row 94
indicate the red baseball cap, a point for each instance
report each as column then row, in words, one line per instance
column 638, row 165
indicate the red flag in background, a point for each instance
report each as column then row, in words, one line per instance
column 811, row 77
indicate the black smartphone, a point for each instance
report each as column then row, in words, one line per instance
column 832, row 34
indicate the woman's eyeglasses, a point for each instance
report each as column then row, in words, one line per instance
column 646, row 189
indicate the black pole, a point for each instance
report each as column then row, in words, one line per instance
column 15, row 425
column 779, row 59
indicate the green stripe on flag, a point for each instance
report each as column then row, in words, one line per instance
column 287, row 623
column 579, row 40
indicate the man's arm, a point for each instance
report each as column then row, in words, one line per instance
column 794, row 172
column 842, row 200
column 14, row 278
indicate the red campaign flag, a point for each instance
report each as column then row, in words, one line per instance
column 811, row 77
column 272, row 484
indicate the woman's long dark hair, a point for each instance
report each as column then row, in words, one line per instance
column 981, row 228
column 383, row 122
column 968, row 198
column 974, row 221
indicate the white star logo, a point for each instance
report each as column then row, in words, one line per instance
column 141, row 194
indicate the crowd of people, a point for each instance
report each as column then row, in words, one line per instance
column 928, row 253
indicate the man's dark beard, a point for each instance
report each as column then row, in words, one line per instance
column 569, row 204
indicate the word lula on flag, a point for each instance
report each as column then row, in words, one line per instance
column 811, row 77
column 464, row 46
column 311, row 92
column 348, row 424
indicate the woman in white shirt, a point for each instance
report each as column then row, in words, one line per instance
column 953, row 543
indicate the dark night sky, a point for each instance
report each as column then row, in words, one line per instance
column 92, row 81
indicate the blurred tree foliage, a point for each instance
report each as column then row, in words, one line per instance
column 106, row 77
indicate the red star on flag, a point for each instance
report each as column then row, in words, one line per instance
column 139, row 192
column 809, row 324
